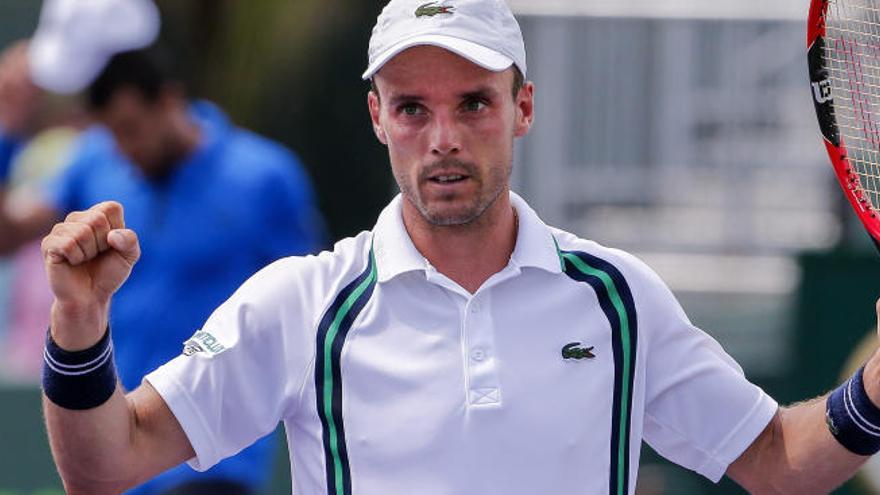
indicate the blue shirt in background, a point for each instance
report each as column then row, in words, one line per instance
column 9, row 147
column 239, row 202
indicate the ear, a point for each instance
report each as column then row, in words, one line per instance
column 525, row 109
column 375, row 105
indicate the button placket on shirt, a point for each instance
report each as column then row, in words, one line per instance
column 480, row 363
column 478, row 338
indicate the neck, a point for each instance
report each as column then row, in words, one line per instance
column 187, row 134
column 184, row 137
column 468, row 254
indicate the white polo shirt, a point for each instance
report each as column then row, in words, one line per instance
column 392, row 379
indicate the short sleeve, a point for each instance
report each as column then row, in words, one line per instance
column 241, row 373
column 700, row 410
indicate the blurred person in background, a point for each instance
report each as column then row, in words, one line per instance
column 213, row 202
column 37, row 133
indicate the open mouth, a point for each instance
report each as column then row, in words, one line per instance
column 448, row 179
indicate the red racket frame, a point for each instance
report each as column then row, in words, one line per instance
column 820, row 86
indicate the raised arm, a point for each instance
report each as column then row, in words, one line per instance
column 19, row 107
column 103, row 441
column 22, row 224
column 797, row 452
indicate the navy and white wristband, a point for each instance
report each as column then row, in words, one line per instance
column 852, row 418
column 82, row 379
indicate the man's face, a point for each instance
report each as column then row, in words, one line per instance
column 449, row 126
column 142, row 129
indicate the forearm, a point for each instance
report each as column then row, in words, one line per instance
column 22, row 223
column 818, row 462
column 801, row 456
column 117, row 445
column 103, row 441
column 796, row 454
column 92, row 447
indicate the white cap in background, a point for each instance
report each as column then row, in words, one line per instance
column 482, row 31
column 76, row 38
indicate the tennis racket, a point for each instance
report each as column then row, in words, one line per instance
column 843, row 50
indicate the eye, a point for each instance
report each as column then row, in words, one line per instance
column 474, row 105
column 410, row 109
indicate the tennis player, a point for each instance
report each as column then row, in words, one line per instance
column 462, row 346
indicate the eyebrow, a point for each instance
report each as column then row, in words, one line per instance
column 483, row 92
column 404, row 98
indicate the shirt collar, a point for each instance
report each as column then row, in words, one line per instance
column 394, row 250
column 535, row 245
column 396, row 254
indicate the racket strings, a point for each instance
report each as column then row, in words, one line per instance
column 852, row 54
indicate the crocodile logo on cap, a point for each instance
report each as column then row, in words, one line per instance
column 431, row 9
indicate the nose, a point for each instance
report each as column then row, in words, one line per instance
column 445, row 137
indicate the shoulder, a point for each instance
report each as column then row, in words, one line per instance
column 245, row 149
column 307, row 282
column 240, row 149
column 259, row 165
column 631, row 276
column 93, row 145
column 94, row 154
column 91, row 162
column 633, row 269
column 95, row 140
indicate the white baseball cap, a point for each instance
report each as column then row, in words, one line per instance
column 76, row 38
column 482, row 31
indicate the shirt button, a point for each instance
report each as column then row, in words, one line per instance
column 478, row 354
column 475, row 307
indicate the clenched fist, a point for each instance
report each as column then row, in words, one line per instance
column 87, row 256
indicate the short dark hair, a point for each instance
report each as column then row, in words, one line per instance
column 519, row 80
column 138, row 69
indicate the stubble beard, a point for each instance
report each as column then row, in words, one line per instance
column 468, row 214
